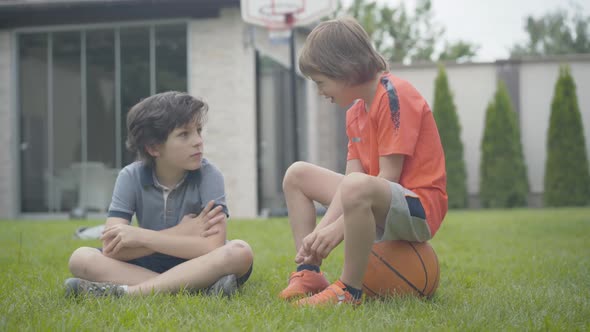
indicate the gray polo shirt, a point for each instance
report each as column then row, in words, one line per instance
column 137, row 191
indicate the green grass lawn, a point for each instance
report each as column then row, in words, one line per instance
column 500, row 270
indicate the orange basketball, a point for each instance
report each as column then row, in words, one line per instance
column 401, row 268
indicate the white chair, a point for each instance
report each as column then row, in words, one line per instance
column 56, row 186
column 96, row 185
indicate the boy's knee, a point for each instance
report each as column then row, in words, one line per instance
column 81, row 259
column 294, row 174
column 355, row 190
column 242, row 249
column 241, row 254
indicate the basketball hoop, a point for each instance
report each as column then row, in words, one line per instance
column 275, row 8
column 285, row 14
column 280, row 17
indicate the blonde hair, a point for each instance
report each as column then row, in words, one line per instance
column 341, row 49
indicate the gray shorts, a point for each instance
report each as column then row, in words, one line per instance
column 406, row 219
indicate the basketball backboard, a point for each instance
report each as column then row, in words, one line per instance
column 285, row 14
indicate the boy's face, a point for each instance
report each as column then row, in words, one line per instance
column 336, row 91
column 183, row 148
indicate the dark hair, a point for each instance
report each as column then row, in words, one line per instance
column 341, row 49
column 151, row 120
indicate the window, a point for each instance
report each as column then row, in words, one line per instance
column 100, row 97
column 33, row 60
column 278, row 132
column 75, row 88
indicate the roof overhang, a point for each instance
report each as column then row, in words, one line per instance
column 27, row 13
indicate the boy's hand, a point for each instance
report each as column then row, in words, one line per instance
column 204, row 222
column 304, row 257
column 120, row 236
column 320, row 243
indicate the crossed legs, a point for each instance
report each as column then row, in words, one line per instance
column 235, row 257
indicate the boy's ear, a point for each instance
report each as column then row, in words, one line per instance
column 153, row 150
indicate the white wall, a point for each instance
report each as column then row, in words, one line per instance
column 222, row 71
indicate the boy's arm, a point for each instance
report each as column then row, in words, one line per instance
column 192, row 237
column 390, row 167
column 121, row 211
column 125, row 254
column 398, row 129
column 186, row 246
column 129, row 253
column 354, row 165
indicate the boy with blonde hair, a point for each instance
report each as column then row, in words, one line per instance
column 178, row 198
column 394, row 187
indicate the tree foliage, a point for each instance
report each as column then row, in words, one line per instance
column 449, row 128
column 402, row 36
column 503, row 176
column 459, row 51
column 567, row 178
column 558, row 32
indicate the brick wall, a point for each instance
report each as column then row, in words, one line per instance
column 222, row 71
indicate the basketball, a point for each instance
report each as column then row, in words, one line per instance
column 401, row 268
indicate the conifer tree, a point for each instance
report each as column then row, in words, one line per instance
column 503, row 178
column 567, row 178
column 449, row 128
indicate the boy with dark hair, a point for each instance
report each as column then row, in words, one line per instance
column 178, row 198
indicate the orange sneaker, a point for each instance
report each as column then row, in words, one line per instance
column 303, row 283
column 333, row 295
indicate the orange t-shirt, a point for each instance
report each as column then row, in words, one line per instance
column 401, row 122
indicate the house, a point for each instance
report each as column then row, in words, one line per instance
column 71, row 69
